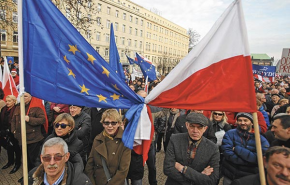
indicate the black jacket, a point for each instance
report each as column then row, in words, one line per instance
column 96, row 125
column 83, row 128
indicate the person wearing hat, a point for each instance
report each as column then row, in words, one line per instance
column 190, row 157
column 15, row 76
column 274, row 101
column 239, row 149
column 82, row 127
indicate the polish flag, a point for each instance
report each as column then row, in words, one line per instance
column 8, row 84
column 216, row 74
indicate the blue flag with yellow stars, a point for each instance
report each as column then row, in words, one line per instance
column 61, row 66
column 146, row 68
column 131, row 61
column 114, row 60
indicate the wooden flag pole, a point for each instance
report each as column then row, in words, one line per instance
column 259, row 149
column 23, row 138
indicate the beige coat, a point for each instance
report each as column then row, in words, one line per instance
column 117, row 158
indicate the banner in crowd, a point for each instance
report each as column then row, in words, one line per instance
column 267, row 71
column 10, row 60
column 283, row 66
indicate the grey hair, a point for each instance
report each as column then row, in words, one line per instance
column 53, row 142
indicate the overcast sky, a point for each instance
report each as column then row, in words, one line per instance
column 268, row 21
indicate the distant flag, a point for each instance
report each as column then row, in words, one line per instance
column 216, row 74
column 8, row 84
column 147, row 68
column 146, row 85
column 10, row 60
column 131, row 61
column 114, row 60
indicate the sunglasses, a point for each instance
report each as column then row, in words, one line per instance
column 113, row 123
column 48, row 158
column 218, row 114
column 62, row 125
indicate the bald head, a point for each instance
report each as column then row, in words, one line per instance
column 142, row 93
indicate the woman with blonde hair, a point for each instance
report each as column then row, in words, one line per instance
column 220, row 125
column 109, row 159
column 7, row 139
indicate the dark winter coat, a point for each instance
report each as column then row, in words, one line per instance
column 240, row 156
column 96, row 125
column 83, row 129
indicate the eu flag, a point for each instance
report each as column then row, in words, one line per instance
column 146, row 68
column 114, row 60
column 62, row 67
column 131, row 61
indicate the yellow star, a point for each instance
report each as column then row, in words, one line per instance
column 102, row 98
column 115, row 86
column 91, row 58
column 65, row 59
column 73, row 49
column 105, row 71
column 84, row 89
column 115, row 96
column 71, row 73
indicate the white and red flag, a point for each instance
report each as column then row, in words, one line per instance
column 216, row 74
column 8, row 84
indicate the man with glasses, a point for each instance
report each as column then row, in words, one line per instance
column 55, row 167
column 190, row 157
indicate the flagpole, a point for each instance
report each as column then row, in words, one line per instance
column 259, row 149
column 21, row 93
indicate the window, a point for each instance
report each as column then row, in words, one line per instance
column 98, row 49
column 2, row 14
column 88, row 34
column 124, row 16
column 122, row 53
column 141, row 22
column 141, row 33
column 147, row 24
column 116, row 26
column 135, row 44
column 136, row 20
column 131, row 18
column 67, row 13
column 3, row 35
column 123, row 40
column 140, row 45
column 79, row 15
column 108, row 10
column 116, row 39
column 89, row 3
column 98, row 37
column 107, row 38
column 99, row 7
column 117, row 13
column 124, row 28
column 15, row 36
column 129, row 42
column 15, row 17
column 98, row 21
column 130, row 30
column 107, row 52
column 108, row 24
column 15, row 1
column 89, row 17
column 136, row 32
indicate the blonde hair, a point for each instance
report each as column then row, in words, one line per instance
column 112, row 114
column 224, row 119
column 284, row 100
column 12, row 97
column 65, row 116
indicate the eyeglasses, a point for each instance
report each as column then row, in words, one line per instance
column 218, row 114
column 62, row 125
column 113, row 123
column 48, row 158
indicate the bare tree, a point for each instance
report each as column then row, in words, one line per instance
column 193, row 38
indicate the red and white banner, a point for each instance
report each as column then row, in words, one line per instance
column 216, row 74
column 8, row 84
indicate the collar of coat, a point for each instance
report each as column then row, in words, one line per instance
column 38, row 176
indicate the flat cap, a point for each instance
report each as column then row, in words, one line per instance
column 197, row 118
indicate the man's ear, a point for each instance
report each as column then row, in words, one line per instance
column 205, row 128
column 67, row 156
column 41, row 158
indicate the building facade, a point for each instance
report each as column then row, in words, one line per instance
column 262, row 59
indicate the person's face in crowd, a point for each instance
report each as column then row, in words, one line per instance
column 283, row 103
column 138, row 83
column 9, row 102
column 55, row 166
column 257, row 84
column 74, row 110
column 275, row 99
column 244, row 123
column 132, row 87
column 279, row 131
column 278, row 169
column 286, row 86
column 62, row 128
column 173, row 109
column 13, row 73
column 195, row 130
column 134, row 82
column 283, row 90
column 27, row 98
column 110, row 125
column 218, row 115
column 263, row 99
column 197, row 111
column 143, row 85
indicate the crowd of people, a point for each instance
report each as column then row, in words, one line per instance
column 84, row 145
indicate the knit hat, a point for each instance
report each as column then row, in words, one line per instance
column 197, row 118
column 78, row 106
column 275, row 95
column 246, row 115
column 13, row 70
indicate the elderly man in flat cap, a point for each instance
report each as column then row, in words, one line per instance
column 190, row 157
